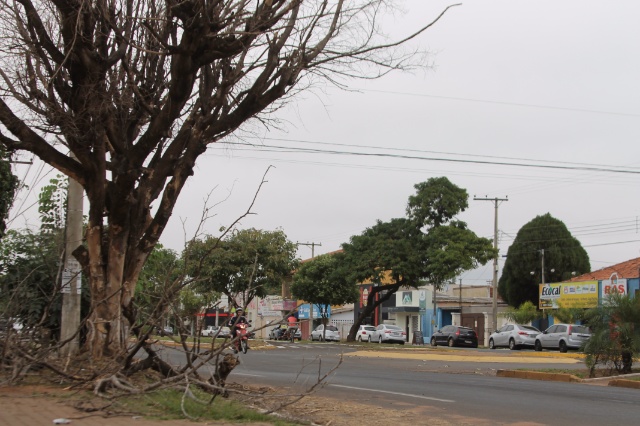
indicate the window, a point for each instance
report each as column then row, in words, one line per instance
column 561, row 329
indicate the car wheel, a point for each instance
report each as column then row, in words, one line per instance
column 433, row 341
column 359, row 339
column 537, row 346
column 512, row 345
column 491, row 344
column 369, row 338
column 402, row 343
column 563, row 346
column 451, row 342
column 380, row 339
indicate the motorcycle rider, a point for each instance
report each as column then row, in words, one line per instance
column 238, row 318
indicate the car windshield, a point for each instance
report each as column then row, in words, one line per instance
column 332, row 328
column 370, row 328
column 528, row 327
column 393, row 327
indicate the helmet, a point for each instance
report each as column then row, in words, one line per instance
column 239, row 311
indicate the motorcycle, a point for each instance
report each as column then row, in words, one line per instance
column 241, row 341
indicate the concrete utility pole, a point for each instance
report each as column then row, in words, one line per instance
column 71, row 276
column 495, row 259
column 313, row 246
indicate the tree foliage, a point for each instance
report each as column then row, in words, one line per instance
column 160, row 279
column 31, row 267
column 427, row 246
column 135, row 91
column 562, row 253
column 245, row 264
column 524, row 314
column 615, row 338
column 320, row 281
column 8, row 186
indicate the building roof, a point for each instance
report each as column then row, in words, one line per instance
column 628, row 269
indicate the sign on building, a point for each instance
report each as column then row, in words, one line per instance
column 613, row 285
column 582, row 294
column 303, row 311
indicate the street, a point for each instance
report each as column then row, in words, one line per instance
column 448, row 389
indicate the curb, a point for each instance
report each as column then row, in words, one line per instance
column 568, row 378
column 537, row 375
column 623, row 383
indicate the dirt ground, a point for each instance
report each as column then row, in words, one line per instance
column 39, row 405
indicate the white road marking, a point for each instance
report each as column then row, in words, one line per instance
column 247, row 374
column 394, row 393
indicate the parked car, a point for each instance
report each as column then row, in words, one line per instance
column 389, row 333
column 332, row 333
column 277, row 332
column 455, row 335
column 513, row 336
column 210, row 331
column 365, row 332
column 165, row 331
column 224, row 332
column 562, row 337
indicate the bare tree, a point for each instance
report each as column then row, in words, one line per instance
column 124, row 96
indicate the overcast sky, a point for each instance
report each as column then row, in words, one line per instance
column 542, row 83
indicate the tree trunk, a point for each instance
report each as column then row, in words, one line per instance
column 372, row 305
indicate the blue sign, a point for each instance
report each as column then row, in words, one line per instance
column 303, row 311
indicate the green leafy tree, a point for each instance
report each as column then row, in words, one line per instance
column 524, row 314
column 321, row 282
column 615, row 338
column 8, row 186
column 245, row 264
column 136, row 90
column 543, row 236
column 428, row 246
column 160, row 280
column 568, row 315
column 30, row 267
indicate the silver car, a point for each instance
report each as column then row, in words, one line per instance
column 365, row 333
column 389, row 333
column 562, row 337
column 514, row 336
column 331, row 333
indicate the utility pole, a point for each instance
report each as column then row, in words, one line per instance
column 542, row 253
column 312, row 245
column 460, row 296
column 71, row 276
column 495, row 259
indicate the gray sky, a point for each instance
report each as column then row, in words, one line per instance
column 547, row 83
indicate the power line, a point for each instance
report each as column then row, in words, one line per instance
column 517, row 104
column 590, row 168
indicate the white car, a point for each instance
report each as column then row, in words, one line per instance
column 210, row 331
column 514, row 336
column 331, row 333
column 364, row 333
column 389, row 333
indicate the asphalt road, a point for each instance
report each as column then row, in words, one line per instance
column 449, row 386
